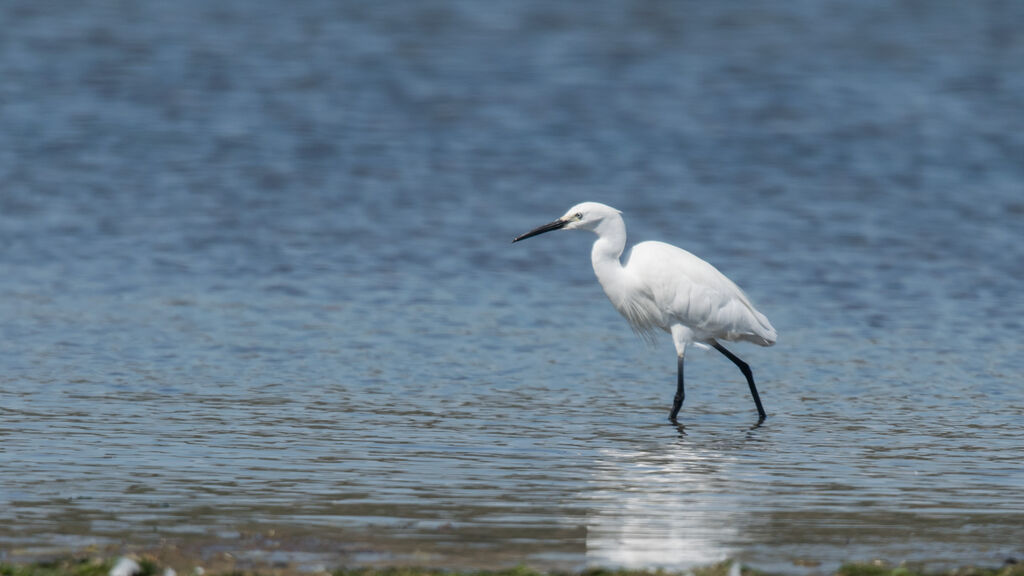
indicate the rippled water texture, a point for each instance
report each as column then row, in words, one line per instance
column 257, row 293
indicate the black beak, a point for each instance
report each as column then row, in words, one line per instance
column 557, row 224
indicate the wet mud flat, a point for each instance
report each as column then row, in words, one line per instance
column 259, row 554
column 156, row 564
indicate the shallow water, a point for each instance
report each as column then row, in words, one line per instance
column 257, row 292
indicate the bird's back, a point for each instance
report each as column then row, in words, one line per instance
column 673, row 286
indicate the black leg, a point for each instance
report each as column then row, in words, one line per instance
column 746, row 372
column 680, row 393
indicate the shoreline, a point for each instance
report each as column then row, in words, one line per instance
column 157, row 564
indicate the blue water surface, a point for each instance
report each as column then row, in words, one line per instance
column 258, row 296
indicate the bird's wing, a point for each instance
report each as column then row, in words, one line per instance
column 687, row 290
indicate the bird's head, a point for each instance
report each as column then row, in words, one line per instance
column 583, row 216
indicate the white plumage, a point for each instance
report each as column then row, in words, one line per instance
column 660, row 286
column 672, row 286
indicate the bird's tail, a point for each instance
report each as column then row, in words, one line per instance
column 764, row 332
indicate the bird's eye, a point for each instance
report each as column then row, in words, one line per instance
column 578, row 215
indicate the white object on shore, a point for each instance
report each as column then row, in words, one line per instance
column 126, row 567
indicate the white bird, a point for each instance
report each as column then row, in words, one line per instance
column 662, row 286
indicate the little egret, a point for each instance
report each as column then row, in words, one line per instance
column 662, row 286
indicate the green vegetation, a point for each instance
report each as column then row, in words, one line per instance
column 72, row 567
column 878, row 569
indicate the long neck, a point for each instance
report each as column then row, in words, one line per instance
column 611, row 241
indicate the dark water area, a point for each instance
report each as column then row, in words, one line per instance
column 257, row 291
